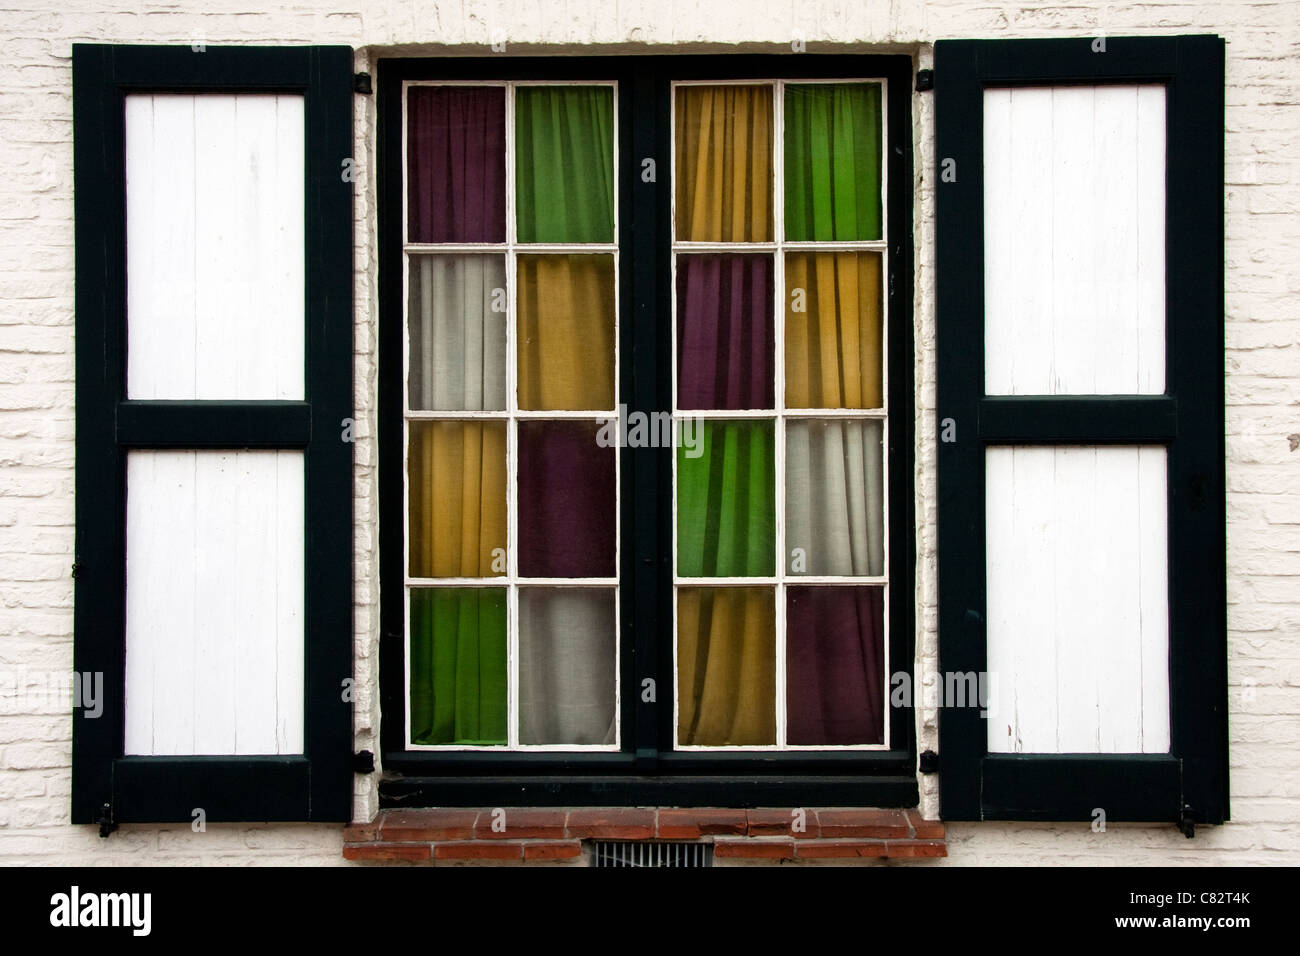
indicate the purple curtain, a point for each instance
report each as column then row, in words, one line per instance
column 834, row 665
column 566, row 501
column 725, row 355
column 456, row 140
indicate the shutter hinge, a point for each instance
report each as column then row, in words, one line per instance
column 1187, row 822
column 361, row 83
column 929, row 762
column 924, row 81
column 363, row 762
column 105, row 821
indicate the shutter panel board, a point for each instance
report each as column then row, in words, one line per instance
column 1074, row 240
column 215, row 246
column 214, row 602
column 1078, row 622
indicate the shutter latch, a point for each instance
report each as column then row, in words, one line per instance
column 105, row 821
column 1187, row 822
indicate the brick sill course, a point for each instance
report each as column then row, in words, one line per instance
column 555, row 836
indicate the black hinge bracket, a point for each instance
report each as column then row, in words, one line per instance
column 929, row 762
column 363, row 761
column 1187, row 822
column 924, row 81
column 105, row 821
column 361, row 83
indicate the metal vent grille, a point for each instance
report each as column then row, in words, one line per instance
column 611, row 853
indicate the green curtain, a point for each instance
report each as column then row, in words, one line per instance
column 564, row 163
column 832, row 162
column 726, row 501
column 458, row 666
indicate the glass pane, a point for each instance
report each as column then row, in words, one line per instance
column 457, row 315
column 566, row 332
column 834, row 497
column 566, row 665
column 833, row 330
column 567, row 510
column 564, row 163
column 458, row 666
column 726, row 500
column 724, row 163
column 724, row 332
column 832, row 161
column 835, row 664
column 726, row 666
column 456, row 162
column 457, row 485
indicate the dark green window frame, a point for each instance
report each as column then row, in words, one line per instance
column 647, row 770
column 1190, row 783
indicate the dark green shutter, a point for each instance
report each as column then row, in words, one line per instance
column 1191, row 781
column 317, row 784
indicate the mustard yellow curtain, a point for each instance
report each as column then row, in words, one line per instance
column 724, row 163
column 726, row 666
column 832, row 330
column 457, row 487
column 566, row 332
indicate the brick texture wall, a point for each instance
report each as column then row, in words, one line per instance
column 36, row 371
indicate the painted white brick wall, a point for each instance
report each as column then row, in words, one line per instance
column 36, row 370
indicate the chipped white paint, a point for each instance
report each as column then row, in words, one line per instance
column 1078, row 608
column 214, row 246
column 1074, row 240
column 214, row 602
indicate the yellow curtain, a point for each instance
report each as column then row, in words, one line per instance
column 457, row 484
column 566, row 332
column 726, row 666
column 832, row 343
column 724, row 163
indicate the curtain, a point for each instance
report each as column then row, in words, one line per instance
column 832, row 162
column 833, row 344
column 726, row 666
column 726, row 502
column 725, row 345
column 564, row 163
column 458, row 666
column 566, row 332
column 457, row 317
column 835, row 665
column 456, row 164
column 724, row 163
column 457, row 510
column 567, row 510
column 566, row 665
column 834, row 496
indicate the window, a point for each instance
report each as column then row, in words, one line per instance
column 778, row 257
column 213, row 481
column 511, row 500
column 1080, row 397
column 644, row 335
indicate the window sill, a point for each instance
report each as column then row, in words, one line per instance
column 558, row 835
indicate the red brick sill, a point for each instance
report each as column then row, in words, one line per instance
column 532, row 835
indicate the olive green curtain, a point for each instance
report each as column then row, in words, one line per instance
column 726, row 501
column 832, row 162
column 458, row 666
column 564, row 163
